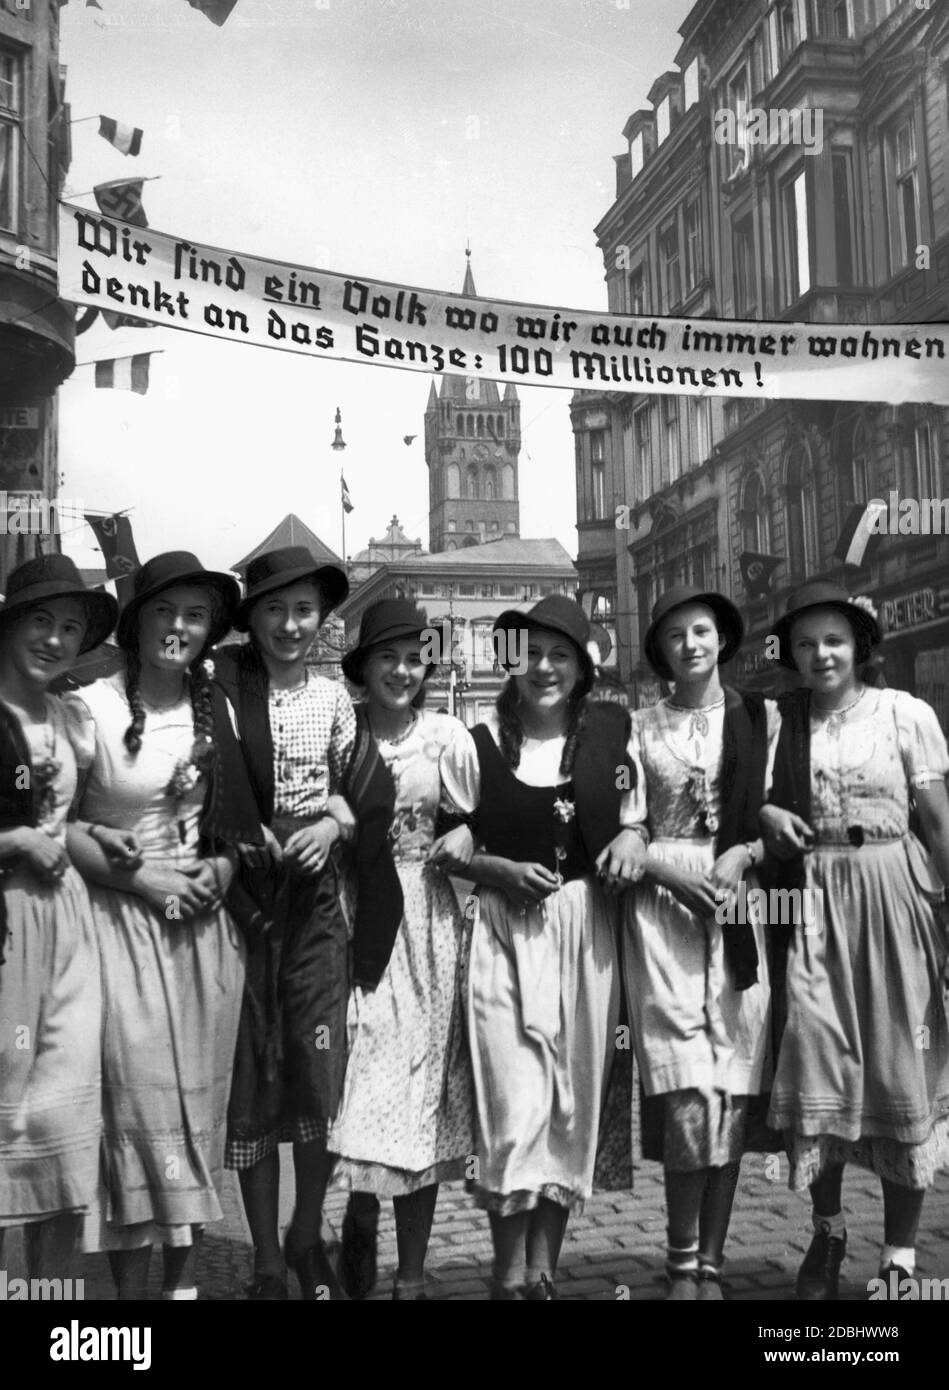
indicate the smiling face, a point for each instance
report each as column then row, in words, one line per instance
column 393, row 674
column 284, row 624
column 691, row 643
column 824, row 650
column 553, row 670
column 174, row 626
column 45, row 641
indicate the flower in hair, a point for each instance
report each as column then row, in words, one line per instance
column 866, row 604
column 207, row 666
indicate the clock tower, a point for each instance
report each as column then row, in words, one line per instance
column 472, row 440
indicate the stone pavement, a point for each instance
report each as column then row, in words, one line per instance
column 615, row 1246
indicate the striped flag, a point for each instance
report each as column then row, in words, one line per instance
column 217, row 11
column 344, row 496
column 124, row 373
column 114, row 320
column 860, row 534
column 127, row 139
column 122, row 198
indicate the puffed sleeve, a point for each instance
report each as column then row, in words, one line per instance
column 633, row 810
column 922, row 741
column 342, row 739
column 460, row 773
column 80, row 728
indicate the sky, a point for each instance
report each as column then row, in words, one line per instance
column 371, row 137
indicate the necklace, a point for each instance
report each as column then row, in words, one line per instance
column 161, row 709
column 399, row 738
column 697, row 709
column 834, row 718
column 698, row 717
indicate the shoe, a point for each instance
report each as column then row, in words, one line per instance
column 819, row 1276
column 357, row 1256
column 266, row 1288
column 710, row 1285
column 409, row 1291
column 314, row 1271
column 541, row 1292
column 683, row 1286
column 506, row 1293
column 893, row 1285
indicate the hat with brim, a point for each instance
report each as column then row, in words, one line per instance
column 290, row 564
column 555, row 613
column 389, row 620
column 728, row 620
column 55, row 576
column 168, row 570
column 822, row 595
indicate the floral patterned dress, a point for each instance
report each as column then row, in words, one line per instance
column 406, row 1115
column 693, row 1030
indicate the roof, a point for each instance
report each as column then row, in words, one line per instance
column 510, row 550
column 291, row 531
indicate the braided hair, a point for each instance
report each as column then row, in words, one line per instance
column 200, row 692
column 511, row 729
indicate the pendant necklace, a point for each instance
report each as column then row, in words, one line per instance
column 833, row 719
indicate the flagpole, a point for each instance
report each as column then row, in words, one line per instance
column 88, row 192
column 337, row 446
column 342, row 515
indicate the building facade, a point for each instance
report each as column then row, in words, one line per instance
column 36, row 328
column 844, row 217
column 472, row 443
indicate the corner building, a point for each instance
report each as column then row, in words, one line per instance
column 36, row 328
column 851, row 227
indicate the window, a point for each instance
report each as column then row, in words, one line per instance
column 669, row 261
column 597, row 476
column 746, row 281
column 453, row 525
column 604, row 604
column 636, row 291
column 670, row 428
column 786, row 28
column 642, row 430
column 797, row 262
column 801, row 516
column 753, row 516
column 926, row 461
column 694, row 267
column 663, row 113
column 471, row 488
column 903, row 180
column 637, row 154
column 832, row 19
column 490, row 484
column 843, row 216
column 738, row 102
column 691, row 84
column 10, row 135
column 700, row 428
column 700, row 567
column 855, row 471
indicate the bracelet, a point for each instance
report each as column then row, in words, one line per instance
column 641, row 831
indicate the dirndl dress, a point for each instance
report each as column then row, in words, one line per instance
column 50, row 1011
column 863, row 1072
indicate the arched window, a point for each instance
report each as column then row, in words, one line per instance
column 803, row 546
column 507, row 482
column 480, row 426
column 753, row 515
column 500, row 427
column 490, row 484
column 453, row 480
column 472, row 481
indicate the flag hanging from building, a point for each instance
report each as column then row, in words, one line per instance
column 344, row 496
column 114, row 534
column 114, row 320
column 127, row 139
column 124, row 373
column 122, row 198
column 756, row 572
column 860, row 537
column 217, row 11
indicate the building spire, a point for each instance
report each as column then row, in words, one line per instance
column 469, row 286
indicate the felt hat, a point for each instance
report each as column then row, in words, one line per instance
column 165, row 571
column 289, row 564
column 56, row 576
column 556, row 613
column 728, row 620
column 821, row 594
column 389, row 620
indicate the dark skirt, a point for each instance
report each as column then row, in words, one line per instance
column 291, row 1047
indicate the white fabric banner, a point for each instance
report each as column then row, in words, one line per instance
column 171, row 281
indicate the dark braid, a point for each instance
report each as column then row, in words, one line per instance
column 200, row 690
column 576, row 717
column 510, row 728
column 133, row 734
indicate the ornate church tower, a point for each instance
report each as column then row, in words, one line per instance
column 472, row 440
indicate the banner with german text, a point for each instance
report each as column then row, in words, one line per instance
column 172, row 281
